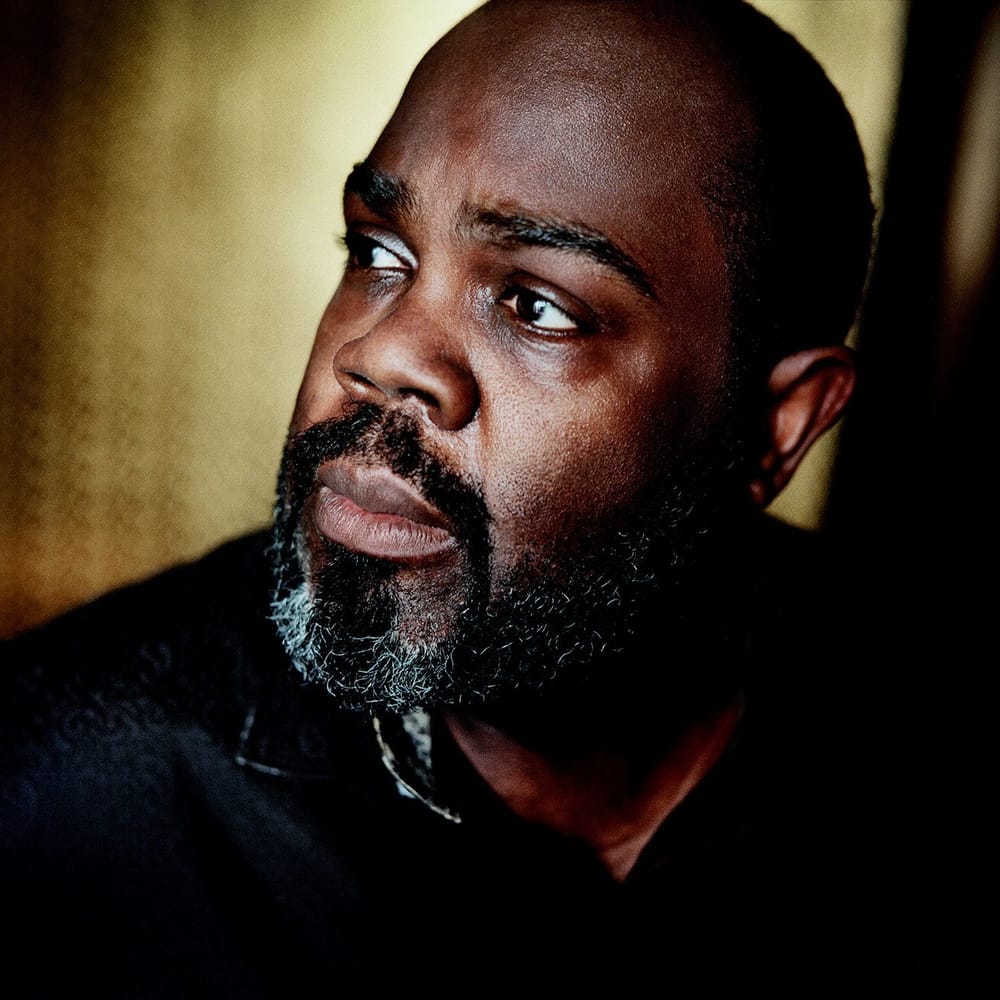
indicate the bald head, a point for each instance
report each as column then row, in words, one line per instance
column 709, row 107
column 597, row 263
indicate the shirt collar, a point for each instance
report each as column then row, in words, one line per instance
column 406, row 745
column 291, row 729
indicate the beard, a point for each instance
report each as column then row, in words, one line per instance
column 562, row 622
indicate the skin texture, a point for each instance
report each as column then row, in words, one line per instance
column 558, row 430
column 558, row 383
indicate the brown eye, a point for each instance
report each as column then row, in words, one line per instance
column 538, row 312
column 370, row 255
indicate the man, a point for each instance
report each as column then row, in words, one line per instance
column 552, row 702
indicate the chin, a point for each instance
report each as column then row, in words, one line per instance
column 379, row 639
column 377, row 636
column 487, row 626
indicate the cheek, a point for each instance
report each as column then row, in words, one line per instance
column 556, row 473
column 560, row 463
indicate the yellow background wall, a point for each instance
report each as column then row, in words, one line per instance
column 171, row 177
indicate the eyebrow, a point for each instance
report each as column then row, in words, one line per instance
column 383, row 193
column 392, row 198
column 530, row 230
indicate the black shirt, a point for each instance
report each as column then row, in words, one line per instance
column 183, row 816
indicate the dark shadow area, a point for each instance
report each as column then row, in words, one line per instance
column 912, row 493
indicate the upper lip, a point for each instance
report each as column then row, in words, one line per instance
column 376, row 489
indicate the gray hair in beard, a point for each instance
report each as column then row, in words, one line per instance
column 378, row 672
column 547, row 627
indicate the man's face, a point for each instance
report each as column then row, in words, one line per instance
column 519, row 382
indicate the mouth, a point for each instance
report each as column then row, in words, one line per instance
column 370, row 510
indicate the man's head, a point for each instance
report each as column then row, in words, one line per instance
column 592, row 310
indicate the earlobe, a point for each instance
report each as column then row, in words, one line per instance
column 807, row 392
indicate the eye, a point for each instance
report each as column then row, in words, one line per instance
column 368, row 254
column 539, row 312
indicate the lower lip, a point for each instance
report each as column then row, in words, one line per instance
column 385, row 536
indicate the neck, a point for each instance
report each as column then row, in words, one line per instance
column 610, row 789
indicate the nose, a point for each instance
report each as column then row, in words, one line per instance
column 405, row 358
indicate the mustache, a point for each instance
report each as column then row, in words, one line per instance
column 392, row 439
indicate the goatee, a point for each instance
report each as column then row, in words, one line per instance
column 558, row 623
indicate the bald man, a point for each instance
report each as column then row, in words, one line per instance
column 524, row 692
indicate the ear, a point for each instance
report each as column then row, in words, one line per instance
column 807, row 392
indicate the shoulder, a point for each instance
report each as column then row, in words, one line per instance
column 90, row 699
column 163, row 773
column 190, row 593
column 184, row 612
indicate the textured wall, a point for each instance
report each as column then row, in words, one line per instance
column 170, row 202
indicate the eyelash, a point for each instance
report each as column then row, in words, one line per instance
column 513, row 297
column 523, row 295
column 357, row 244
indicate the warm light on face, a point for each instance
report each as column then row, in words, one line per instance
column 171, row 227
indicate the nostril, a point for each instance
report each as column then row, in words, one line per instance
column 362, row 379
column 381, row 367
column 420, row 395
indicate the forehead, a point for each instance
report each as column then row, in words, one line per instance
column 540, row 110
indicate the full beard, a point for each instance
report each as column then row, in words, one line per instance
column 561, row 623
